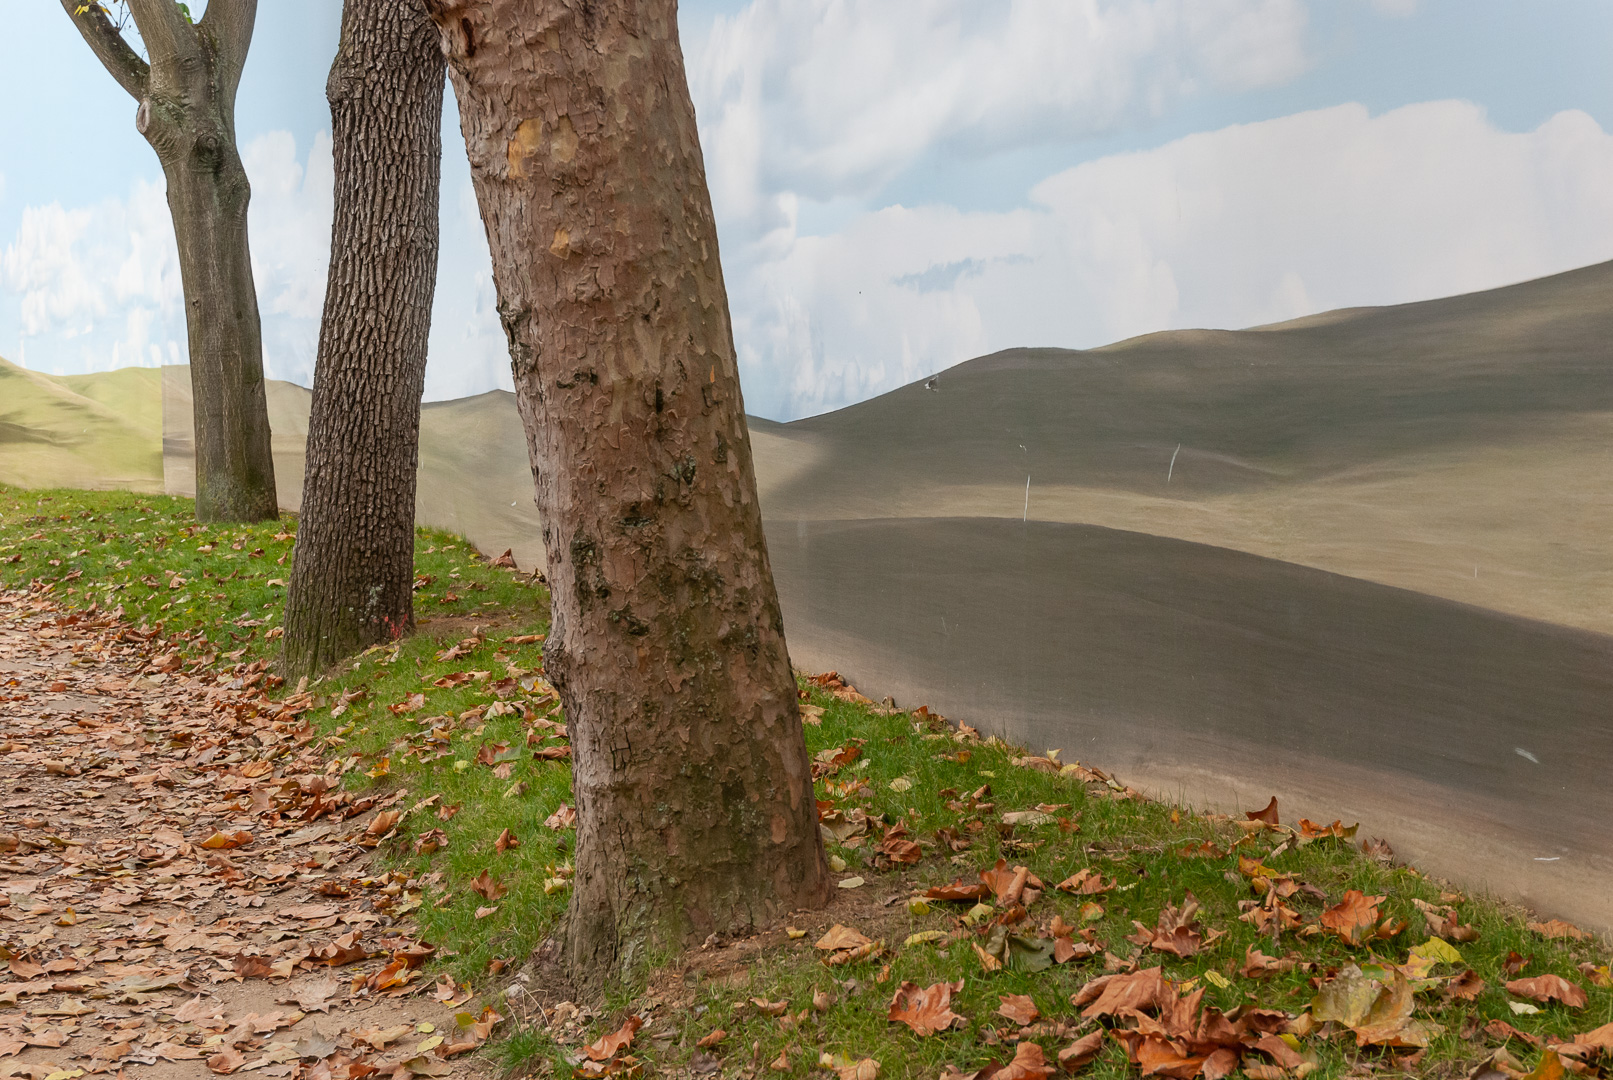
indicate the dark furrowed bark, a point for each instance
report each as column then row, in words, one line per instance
column 694, row 791
column 353, row 571
column 187, row 113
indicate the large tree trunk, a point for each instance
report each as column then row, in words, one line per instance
column 187, row 113
column 353, row 572
column 695, row 809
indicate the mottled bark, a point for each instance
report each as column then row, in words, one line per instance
column 695, row 810
column 353, row 572
column 187, row 114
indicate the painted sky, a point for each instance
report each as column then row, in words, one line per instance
column 901, row 185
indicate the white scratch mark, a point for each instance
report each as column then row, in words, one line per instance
column 1172, row 470
column 1521, row 752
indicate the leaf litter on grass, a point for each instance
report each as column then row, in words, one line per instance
column 176, row 842
column 1277, row 951
column 963, row 802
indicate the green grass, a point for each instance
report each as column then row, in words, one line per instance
column 218, row 594
column 109, row 549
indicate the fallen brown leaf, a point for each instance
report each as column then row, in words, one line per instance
column 610, row 1045
column 1355, row 918
column 1267, row 816
column 1548, row 988
column 1019, row 1008
column 926, row 1011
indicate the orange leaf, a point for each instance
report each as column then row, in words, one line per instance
column 383, row 822
column 1019, row 1008
column 226, row 840
column 485, row 884
column 1355, row 918
column 1549, row 988
column 1081, row 1051
column 926, row 1011
column 1268, row 815
column 1108, row 994
column 958, row 890
column 611, row 1045
column 1086, row 882
column 841, row 937
column 1028, row 1064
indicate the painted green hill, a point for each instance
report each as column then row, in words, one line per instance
column 87, row 431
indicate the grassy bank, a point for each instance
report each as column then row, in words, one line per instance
column 1311, row 956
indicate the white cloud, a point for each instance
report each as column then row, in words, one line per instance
column 1250, row 224
column 98, row 287
column 828, row 98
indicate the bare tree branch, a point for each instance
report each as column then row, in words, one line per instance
column 163, row 28
column 229, row 24
column 132, row 73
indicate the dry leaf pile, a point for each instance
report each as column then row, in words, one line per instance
column 184, row 886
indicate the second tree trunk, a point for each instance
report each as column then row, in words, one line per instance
column 353, row 570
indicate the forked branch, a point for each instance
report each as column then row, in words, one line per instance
column 132, row 73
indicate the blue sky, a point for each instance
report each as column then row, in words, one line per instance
column 903, row 184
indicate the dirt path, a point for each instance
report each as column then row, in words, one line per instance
column 184, row 889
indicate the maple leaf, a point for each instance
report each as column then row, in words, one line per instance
column 1268, row 816
column 563, row 818
column 926, row 1011
column 1177, row 931
column 226, row 1061
column 1257, row 964
column 839, row 938
column 1598, row 976
column 1355, row 918
column 897, row 848
column 383, row 823
column 506, row 841
column 1558, row 929
column 846, row 1069
column 1085, row 882
column 958, row 890
column 1589, row 1044
column 1080, row 1053
column 610, row 1045
column 1019, row 1008
column 1108, row 994
column 488, row 886
column 1465, row 987
column 1158, row 1056
column 226, row 840
column 1310, row 830
column 1379, row 1013
column 1548, row 988
column 1028, row 1064
column 344, row 950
